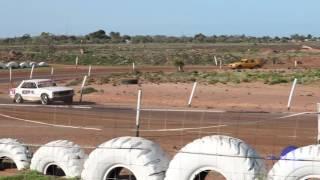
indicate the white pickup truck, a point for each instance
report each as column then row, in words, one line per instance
column 43, row 90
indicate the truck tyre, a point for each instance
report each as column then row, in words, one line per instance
column 62, row 156
column 301, row 163
column 14, row 150
column 18, row 99
column 44, row 99
column 144, row 158
column 230, row 157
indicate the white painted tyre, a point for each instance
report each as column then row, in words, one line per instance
column 230, row 157
column 32, row 63
column 15, row 151
column 2, row 65
column 144, row 158
column 301, row 163
column 24, row 65
column 12, row 64
column 43, row 64
column 62, row 153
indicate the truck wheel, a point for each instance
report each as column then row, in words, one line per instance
column 45, row 99
column 68, row 100
column 18, row 99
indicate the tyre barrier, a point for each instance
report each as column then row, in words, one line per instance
column 32, row 63
column 22, row 65
column 15, row 151
column 12, row 64
column 43, row 64
column 61, row 157
column 2, row 65
column 230, row 157
column 301, row 163
column 144, row 158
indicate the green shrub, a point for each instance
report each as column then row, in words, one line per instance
column 88, row 90
column 33, row 175
column 74, row 82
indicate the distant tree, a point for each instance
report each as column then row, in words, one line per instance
column 141, row 39
column 179, row 64
column 26, row 37
column 126, row 37
column 298, row 37
column 115, row 37
column 100, row 34
column 199, row 37
column 45, row 35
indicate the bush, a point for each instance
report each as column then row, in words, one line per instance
column 88, row 90
column 32, row 175
column 74, row 82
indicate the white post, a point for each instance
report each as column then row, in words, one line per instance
column 31, row 72
column 295, row 64
column 77, row 61
column 318, row 111
column 291, row 93
column 133, row 67
column 89, row 71
column 52, row 71
column 82, row 86
column 220, row 64
column 192, row 93
column 10, row 75
column 215, row 60
column 138, row 112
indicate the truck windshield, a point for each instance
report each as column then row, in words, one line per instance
column 46, row 84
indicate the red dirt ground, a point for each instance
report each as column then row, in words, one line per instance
column 263, row 131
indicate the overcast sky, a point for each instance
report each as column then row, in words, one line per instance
column 165, row 17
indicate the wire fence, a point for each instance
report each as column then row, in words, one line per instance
column 267, row 133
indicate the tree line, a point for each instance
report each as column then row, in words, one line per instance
column 101, row 36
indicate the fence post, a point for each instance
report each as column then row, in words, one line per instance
column 291, row 93
column 192, row 93
column 52, row 71
column 10, row 75
column 220, row 64
column 133, row 67
column 77, row 61
column 82, row 86
column 89, row 71
column 31, row 72
column 138, row 113
column 295, row 63
column 318, row 111
column 215, row 60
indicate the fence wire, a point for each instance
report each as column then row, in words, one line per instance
column 267, row 133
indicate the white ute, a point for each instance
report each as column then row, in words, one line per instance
column 43, row 90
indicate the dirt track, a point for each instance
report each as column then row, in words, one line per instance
column 263, row 131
